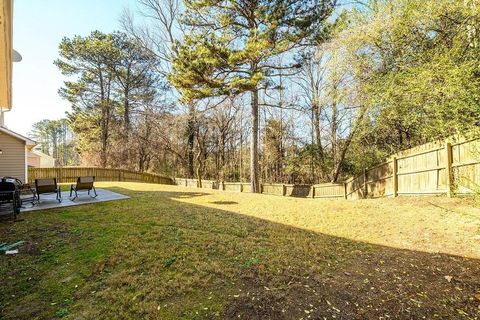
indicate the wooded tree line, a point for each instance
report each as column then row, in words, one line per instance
column 278, row 91
column 55, row 138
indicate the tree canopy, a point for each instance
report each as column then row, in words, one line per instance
column 272, row 90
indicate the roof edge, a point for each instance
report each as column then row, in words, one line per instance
column 28, row 141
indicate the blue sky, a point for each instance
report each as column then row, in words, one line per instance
column 38, row 28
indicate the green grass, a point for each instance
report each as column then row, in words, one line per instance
column 178, row 253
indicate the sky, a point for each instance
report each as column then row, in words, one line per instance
column 38, row 28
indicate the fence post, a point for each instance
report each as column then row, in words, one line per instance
column 313, row 191
column 365, row 185
column 395, row 177
column 284, row 190
column 449, row 172
column 345, row 190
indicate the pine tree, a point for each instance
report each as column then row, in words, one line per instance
column 231, row 47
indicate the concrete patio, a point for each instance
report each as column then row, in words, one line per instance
column 48, row 201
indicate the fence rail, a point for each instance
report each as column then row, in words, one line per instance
column 70, row 174
column 442, row 167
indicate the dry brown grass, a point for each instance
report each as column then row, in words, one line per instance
column 180, row 253
column 430, row 224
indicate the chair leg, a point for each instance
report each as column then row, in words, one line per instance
column 35, row 198
column 95, row 192
column 76, row 195
column 59, row 195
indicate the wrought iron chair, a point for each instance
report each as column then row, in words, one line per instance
column 85, row 184
column 43, row 186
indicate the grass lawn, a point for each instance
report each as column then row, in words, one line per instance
column 180, row 253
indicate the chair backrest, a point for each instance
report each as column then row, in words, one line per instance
column 85, row 183
column 46, row 185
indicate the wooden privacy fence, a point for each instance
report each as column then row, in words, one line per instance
column 442, row 167
column 326, row 190
column 70, row 174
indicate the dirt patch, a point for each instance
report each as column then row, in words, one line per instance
column 374, row 285
column 256, row 304
column 31, row 248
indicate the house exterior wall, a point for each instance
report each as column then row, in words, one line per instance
column 13, row 156
column 33, row 160
column 47, row 162
column 37, row 159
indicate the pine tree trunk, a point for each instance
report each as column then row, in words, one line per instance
column 335, row 160
column 190, row 140
column 126, row 113
column 104, row 134
column 223, row 144
column 255, row 185
column 241, row 152
column 126, row 103
column 55, row 146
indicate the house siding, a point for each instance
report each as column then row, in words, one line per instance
column 33, row 160
column 12, row 159
column 37, row 159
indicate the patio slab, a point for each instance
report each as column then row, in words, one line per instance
column 48, row 201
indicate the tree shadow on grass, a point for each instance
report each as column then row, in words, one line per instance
column 183, row 261
column 224, row 202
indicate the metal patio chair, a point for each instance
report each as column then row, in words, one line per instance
column 43, row 186
column 83, row 184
